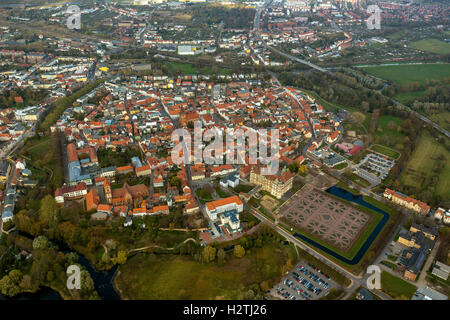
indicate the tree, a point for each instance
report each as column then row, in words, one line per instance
column 48, row 209
column 40, row 242
column 87, row 284
column 264, row 286
column 391, row 126
column 72, row 258
column 50, row 276
column 209, row 254
column 239, row 251
column 302, row 169
column 365, row 106
column 105, row 258
column 293, row 166
column 8, row 287
column 221, row 255
column 121, row 257
column 16, row 276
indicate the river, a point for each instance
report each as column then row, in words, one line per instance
column 344, row 194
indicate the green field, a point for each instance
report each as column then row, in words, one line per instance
column 356, row 179
column 390, row 137
column 43, row 154
column 181, row 277
column 432, row 45
column 341, row 166
column 422, row 164
column 395, row 287
column 385, row 150
column 408, row 97
column 407, row 74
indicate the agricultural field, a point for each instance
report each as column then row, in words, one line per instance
column 407, row 74
column 420, row 172
column 182, row 277
column 432, row 45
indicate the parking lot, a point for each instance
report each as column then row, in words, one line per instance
column 304, row 282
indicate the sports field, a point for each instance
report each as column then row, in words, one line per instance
column 406, row 74
column 427, row 157
column 432, row 45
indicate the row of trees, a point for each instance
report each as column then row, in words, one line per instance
column 210, row 253
column 65, row 102
column 338, row 88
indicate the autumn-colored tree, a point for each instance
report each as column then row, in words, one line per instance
column 209, row 254
column 239, row 251
column 221, row 255
column 121, row 257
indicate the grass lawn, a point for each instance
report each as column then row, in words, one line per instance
column 181, row 277
column 203, row 196
column 432, row 45
column 356, row 179
column 341, row 166
column 385, row 150
column 390, row 264
column 392, row 137
column 343, row 185
column 424, row 160
column 44, row 155
column 408, row 97
column 243, row 188
column 395, row 287
column 406, row 74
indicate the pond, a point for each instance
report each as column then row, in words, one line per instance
column 344, row 194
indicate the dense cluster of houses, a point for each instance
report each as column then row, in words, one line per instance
column 142, row 113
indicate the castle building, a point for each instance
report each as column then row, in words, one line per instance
column 277, row 184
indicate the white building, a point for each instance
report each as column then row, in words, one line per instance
column 214, row 208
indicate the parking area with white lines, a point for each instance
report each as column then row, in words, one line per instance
column 304, row 282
